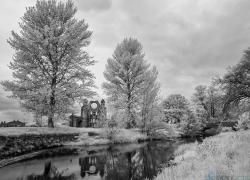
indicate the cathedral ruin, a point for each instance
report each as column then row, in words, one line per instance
column 93, row 114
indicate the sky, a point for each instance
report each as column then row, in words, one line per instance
column 189, row 41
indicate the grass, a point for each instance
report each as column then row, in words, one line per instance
column 100, row 136
column 87, row 136
column 17, row 131
column 128, row 136
column 225, row 156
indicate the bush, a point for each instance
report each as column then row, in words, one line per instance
column 243, row 121
column 161, row 130
column 226, row 129
column 111, row 130
column 191, row 125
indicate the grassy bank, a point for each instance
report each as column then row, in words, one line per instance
column 17, row 131
column 100, row 136
column 20, row 143
column 225, row 156
column 87, row 136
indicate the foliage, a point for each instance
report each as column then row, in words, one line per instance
column 236, row 82
column 209, row 99
column 218, row 157
column 189, row 118
column 244, row 121
column 125, row 74
column 50, row 66
column 175, row 107
column 200, row 113
column 51, row 173
column 149, row 96
column 111, row 129
column 119, row 116
column 191, row 124
column 161, row 130
column 200, row 96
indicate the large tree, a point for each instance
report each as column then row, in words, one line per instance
column 50, row 66
column 236, row 82
column 125, row 74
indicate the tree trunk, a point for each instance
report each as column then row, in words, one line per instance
column 129, row 117
column 50, row 122
column 52, row 104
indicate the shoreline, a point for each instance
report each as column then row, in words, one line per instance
column 24, row 143
column 222, row 155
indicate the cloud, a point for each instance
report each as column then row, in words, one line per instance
column 198, row 39
column 10, row 109
column 11, row 115
column 88, row 5
column 183, row 38
column 189, row 41
column 7, row 103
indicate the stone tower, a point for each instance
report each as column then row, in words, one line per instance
column 85, row 113
column 103, row 112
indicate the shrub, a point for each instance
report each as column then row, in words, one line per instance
column 111, row 130
column 161, row 130
column 191, row 125
column 243, row 121
column 226, row 129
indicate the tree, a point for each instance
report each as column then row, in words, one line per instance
column 208, row 98
column 149, row 94
column 236, row 82
column 50, row 66
column 175, row 107
column 178, row 111
column 215, row 100
column 125, row 73
column 200, row 96
column 191, row 124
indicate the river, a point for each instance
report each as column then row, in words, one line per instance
column 117, row 162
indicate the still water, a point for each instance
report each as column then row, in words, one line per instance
column 119, row 162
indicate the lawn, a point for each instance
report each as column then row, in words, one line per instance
column 225, row 156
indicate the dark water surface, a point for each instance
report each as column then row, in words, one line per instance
column 119, row 162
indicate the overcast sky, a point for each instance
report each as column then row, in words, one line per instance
column 189, row 41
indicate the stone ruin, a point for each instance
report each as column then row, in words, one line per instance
column 93, row 114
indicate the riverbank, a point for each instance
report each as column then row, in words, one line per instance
column 21, row 143
column 84, row 136
column 224, row 156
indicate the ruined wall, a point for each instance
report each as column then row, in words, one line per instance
column 91, row 116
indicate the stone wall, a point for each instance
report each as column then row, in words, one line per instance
column 11, row 146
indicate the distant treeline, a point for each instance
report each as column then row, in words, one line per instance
column 15, row 123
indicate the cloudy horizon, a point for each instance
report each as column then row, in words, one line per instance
column 189, row 41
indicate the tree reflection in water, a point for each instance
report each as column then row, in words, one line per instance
column 116, row 163
column 142, row 163
column 50, row 173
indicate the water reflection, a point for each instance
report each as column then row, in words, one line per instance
column 50, row 173
column 116, row 164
